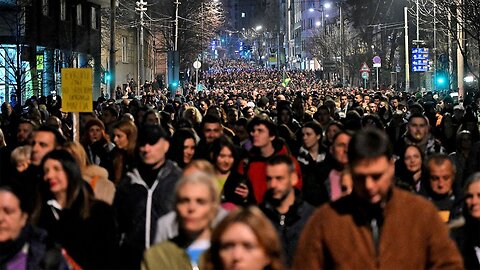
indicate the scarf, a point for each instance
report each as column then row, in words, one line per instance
column 12, row 247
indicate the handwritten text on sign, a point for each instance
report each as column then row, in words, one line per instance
column 77, row 90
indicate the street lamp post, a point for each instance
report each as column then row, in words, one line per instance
column 342, row 46
column 322, row 12
column 140, row 7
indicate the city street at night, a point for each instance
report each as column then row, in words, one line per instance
column 239, row 134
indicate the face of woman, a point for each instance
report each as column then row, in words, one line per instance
column 473, row 200
column 188, row 150
column 331, row 131
column 95, row 133
column 12, row 219
column 195, row 207
column 55, row 176
column 120, row 139
column 152, row 119
column 310, row 139
column 240, row 250
column 224, row 160
column 413, row 159
column 285, row 116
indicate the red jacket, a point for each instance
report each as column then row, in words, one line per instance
column 255, row 166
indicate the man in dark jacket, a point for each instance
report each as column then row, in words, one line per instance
column 144, row 195
column 442, row 189
column 283, row 204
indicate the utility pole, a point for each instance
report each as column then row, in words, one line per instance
column 434, row 44
column 450, row 50
column 176, row 25
column 112, row 82
column 342, row 37
column 407, row 60
column 460, row 49
column 141, row 7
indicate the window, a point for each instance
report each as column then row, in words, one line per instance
column 310, row 23
column 45, row 7
column 243, row 14
column 79, row 14
column 124, row 47
column 63, row 10
column 93, row 17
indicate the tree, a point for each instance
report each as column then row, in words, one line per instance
column 465, row 13
column 198, row 24
column 379, row 25
column 325, row 45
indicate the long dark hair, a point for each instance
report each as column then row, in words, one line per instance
column 175, row 152
column 77, row 192
column 217, row 146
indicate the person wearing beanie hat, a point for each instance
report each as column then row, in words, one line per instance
column 145, row 194
column 97, row 143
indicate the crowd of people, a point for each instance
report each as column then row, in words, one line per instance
column 263, row 169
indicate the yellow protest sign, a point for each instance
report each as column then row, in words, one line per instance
column 77, row 90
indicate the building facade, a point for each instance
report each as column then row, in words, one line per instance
column 39, row 38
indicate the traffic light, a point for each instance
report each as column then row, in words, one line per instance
column 441, row 81
column 106, row 77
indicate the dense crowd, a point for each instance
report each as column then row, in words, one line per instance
column 262, row 169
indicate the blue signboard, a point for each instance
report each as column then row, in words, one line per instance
column 420, row 50
column 420, row 59
column 420, row 68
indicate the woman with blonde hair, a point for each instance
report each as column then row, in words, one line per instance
column 125, row 138
column 20, row 157
column 196, row 205
column 96, row 176
column 245, row 239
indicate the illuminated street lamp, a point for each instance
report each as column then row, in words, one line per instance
column 322, row 11
column 469, row 79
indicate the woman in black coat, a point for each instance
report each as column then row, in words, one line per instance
column 84, row 226
column 236, row 188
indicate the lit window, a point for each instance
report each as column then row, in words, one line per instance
column 124, row 49
column 45, row 7
column 63, row 10
column 79, row 14
column 93, row 17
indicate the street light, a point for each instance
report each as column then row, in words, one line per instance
column 469, row 79
column 258, row 28
column 322, row 11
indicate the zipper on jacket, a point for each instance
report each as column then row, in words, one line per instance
column 282, row 220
